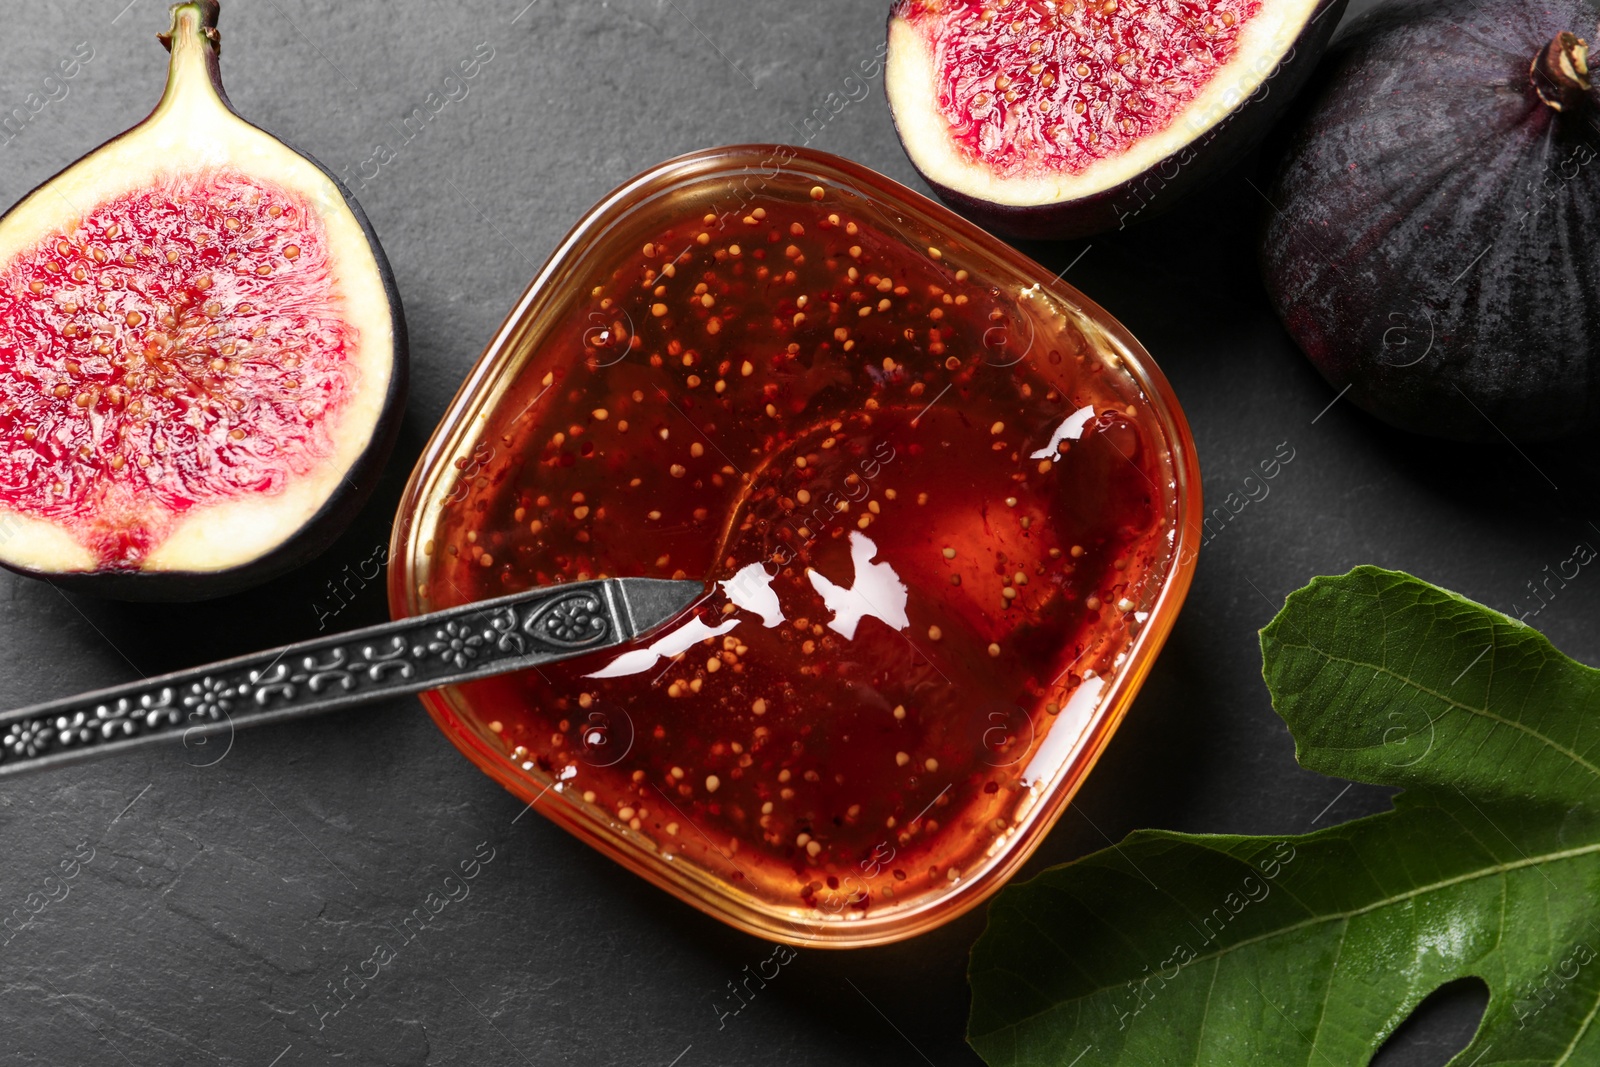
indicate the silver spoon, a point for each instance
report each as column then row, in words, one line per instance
column 424, row 652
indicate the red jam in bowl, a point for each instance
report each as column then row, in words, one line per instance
column 941, row 502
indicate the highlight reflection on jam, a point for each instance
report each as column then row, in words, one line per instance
column 936, row 513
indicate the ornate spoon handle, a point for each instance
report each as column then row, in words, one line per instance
column 409, row 656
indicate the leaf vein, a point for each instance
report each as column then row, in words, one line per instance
column 1494, row 870
column 1469, row 708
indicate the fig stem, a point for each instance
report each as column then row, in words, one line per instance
column 199, row 14
column 1560, row 72
column 194, row 73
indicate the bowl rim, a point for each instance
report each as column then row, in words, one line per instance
column 514, row 343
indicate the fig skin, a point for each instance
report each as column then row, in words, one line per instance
column 1431, row 247
column 1161, row 186
column 340, row 507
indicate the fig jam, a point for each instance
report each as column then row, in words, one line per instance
column 932, row 508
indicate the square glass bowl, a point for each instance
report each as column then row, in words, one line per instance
column 945, row 506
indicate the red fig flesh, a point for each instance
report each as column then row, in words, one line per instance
column 1054, row 119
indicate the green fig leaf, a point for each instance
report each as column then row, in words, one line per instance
column 1184, row 950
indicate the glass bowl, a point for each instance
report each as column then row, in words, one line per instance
column 946, row 507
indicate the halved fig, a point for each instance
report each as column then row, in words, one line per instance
column 1063, row 118
column 202, row 352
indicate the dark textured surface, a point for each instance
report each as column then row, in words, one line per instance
column 219, row 906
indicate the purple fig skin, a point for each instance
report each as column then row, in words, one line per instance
column 1161, row 186
column 1432, row 247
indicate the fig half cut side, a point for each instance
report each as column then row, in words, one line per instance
column 1060, row 119
column 202, row 352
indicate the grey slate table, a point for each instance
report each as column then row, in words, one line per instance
column 215, row 904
